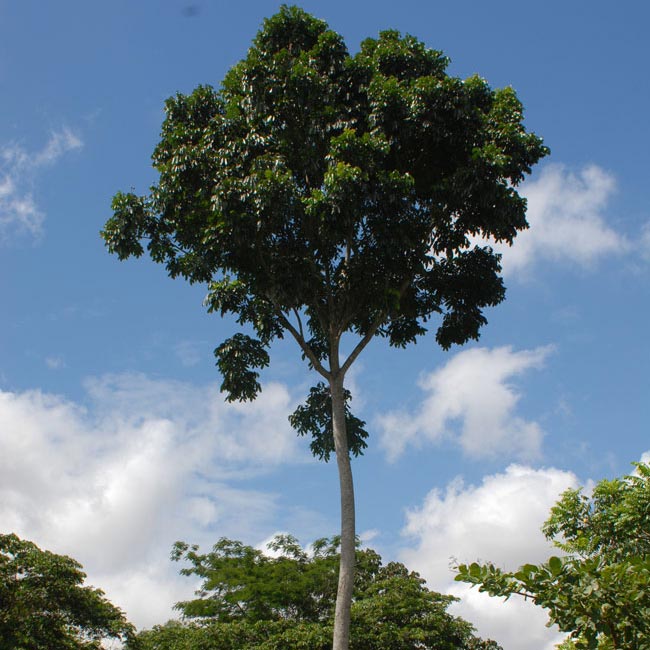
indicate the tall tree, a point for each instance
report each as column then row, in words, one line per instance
column 321, row 194
column 599, row 592
column 44, row 603
column 248, row 599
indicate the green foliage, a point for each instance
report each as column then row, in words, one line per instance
column 600, row 591
column 236, row 635
column 249, row 600
column 315, row 418
column 333, row 189
column 235, row 358
column 44, row 605
column 322, row 194
column 248, row 584
column 614, row 521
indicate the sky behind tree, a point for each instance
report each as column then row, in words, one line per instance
column 114, row 439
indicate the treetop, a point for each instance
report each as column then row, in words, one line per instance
column 319, row 193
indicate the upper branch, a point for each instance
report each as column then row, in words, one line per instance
column 377, row 323
column 363, row 342
column 297, row 315
column 309, row 353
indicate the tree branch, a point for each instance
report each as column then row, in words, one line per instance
column 297, row 315
column 526, row 595
column 176, row 247
column 309, row 353
column 363, row 342
column 370, row 333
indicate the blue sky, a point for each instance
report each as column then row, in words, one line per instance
column 114, row 440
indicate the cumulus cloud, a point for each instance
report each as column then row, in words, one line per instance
column 19, row 212
column 367, row 536
column 568, row 221
column 498, row 521
column 472, row 400
column 143, row 463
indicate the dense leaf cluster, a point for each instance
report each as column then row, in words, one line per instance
column 600, row 591
column 314, row 419
column 44, row 605
column 320, row 193
column 251, row 601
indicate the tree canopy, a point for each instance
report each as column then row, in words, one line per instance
column 339, row 190
column 599, row 591
column 44, row 604
column 320, row 194
column 250, row 600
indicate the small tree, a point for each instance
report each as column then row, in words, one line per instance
column 600, row 591
column 44, row 605
column 250, row 600
column 321, row 194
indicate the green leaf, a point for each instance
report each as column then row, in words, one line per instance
column 314, row 418
column 236, row 358
column 555, row 565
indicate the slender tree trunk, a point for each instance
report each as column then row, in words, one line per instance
column 348, row 538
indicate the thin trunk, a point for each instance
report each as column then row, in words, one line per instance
column 346, row 569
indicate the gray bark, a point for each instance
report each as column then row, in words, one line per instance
column 348, row 537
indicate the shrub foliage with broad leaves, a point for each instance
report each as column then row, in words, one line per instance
column 599, row 590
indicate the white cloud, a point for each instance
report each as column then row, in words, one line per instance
column 470, row 399
column 115, row 483
column 60, row 142
column 515, row 624
column 55, row 362
column 264, row 545
column 19, row 212
column 568, row 221
column 645, row 458
column 263, row 435
column 368, row 535
column 497, row 521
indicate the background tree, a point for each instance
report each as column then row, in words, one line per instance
column 321, row 194
column 599, row 592
column 44, row 605
column 249, row 600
